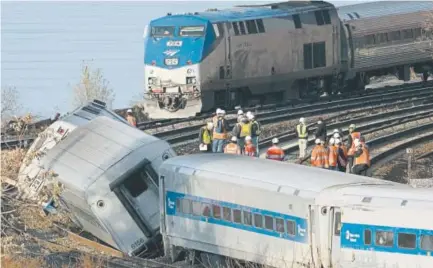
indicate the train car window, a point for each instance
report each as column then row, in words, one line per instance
column 162, row 31
column 216, row 210
column 406, row 240
column 384, row 238
column 178, row 205
column 279, row 225
column 308, row 56
column 319, row 17
column 242, row 27
column 357, row 15
column 220, row 29
column 417, row 32
column 237, row 215
column 395, row 35
column 251, row 26
column 227, row 215
column 319, row 55
column 370, row 39
column 291, row 227
column 260, row 26
column 216, row 30
column 205, row 210
column 326, row 17
column 248, row 218
column 136, row 184
column 269, row 223
column 235, row 28
column 222, row 72
column 426, row 242
column 367, row 237
column 185, row 206
column 337, row 223
column 407, row 34
column 258, row 220
column 191, row 31
column 196, row 208
column 383, row 37
column 297, row 21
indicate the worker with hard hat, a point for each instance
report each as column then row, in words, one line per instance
column 131, row 118
column 255, row 131
column 321, row 132
column 353, row 135
column 240, row 115
column 302, row 131
column 339, row 137
column 275, row 152
column 341, row 156
column 241, row 130
column 220, row 129
column 249, row 149
column 232, row 147
column 319, row 155
column 205, row 137
column 332, row 154
column 361, row 157
column 339, row 132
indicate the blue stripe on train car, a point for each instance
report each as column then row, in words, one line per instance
column 300, row 234
column 355, row 236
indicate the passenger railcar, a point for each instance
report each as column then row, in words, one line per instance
column 107, row 172
column 286, row 215
column 270, row 53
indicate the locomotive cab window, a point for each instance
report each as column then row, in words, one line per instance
column 406, row 240
column 384, row 238
column 162, row 31
column 260, row 26
column 192, row 31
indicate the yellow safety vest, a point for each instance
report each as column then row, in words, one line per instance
column 245, row 129
column 302, row 133
column 206, row 136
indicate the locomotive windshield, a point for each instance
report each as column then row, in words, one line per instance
column 192, row 31
column 162, row 31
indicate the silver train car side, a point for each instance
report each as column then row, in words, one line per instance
column 270, row 53
column 286, row 215
column 109, row 182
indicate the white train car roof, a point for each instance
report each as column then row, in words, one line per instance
column 287, row 178
column 89, row 151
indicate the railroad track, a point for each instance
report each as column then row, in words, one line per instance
column 182, row 136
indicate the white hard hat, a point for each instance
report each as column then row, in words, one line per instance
column 223, row 111
column 247, row 138
column 218, row 111
column 249, row 113
column 336, row 131
column 129, row 111
column 352, row 126
column 250, row 116
column 234, row 139
column 301, row 120
column 275, row 140
column 240, row 112
column 336, row 135
column 331, row 141
column 209, row 125
column 356, row 142
column 337, row 141
column 317, row 141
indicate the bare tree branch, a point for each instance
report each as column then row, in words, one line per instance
column 9, row 102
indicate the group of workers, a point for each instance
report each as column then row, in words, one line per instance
column 334, row 154
column 244, row 135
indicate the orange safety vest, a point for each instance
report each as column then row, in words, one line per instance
column 250, row 150
column 319, row 157
column 216, row 135
column 333, row 155
column 275, row 153
column 364, row 158
column 355, row 135
column 232, row 148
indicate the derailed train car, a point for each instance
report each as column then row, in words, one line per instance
column 246, row 55
column 287, row 215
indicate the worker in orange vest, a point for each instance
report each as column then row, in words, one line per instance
column 232, row 147
column 131, row 118
column 249, row 149
column 332, row 155
column 341, row 156
column 275, row 152
column 319, row 155
column 220, row 129
column 353, row 135
column 362, row 158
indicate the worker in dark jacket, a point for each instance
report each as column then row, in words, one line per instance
column 321, row 130
column 205, row 137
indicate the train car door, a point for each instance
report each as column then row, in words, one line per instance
column 335, row 234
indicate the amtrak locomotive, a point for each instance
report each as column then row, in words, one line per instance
column 270, row 53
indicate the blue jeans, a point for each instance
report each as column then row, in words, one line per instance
column 217, row 146
column 255, row 141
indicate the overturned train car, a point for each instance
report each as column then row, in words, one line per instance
column 107, row 177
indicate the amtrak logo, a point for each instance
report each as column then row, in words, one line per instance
column 170, row 52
